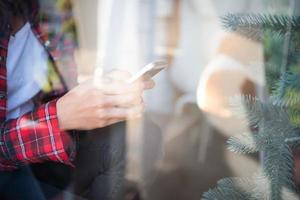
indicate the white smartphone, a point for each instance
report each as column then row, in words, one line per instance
column 149, row 70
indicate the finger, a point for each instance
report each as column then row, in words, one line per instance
column 119, row 75
column 146, row 83
column 135, row 111
column 114, row 87
column 149, row 84
column 113, row 77
column 98, row 81
column 145, row 77
column 113, row 121
column 125, row 100
column 124, row 113
column 139, row 115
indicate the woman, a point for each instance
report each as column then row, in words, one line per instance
column 37, row 112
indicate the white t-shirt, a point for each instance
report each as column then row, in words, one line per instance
column 26, row 71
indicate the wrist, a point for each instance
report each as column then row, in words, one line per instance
column 60, row 114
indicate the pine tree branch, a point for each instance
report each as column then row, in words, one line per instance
column 289, row 88
column 278, row 168
column 231, row 188
column 253, row 25
column 243, row 144
column 249, row 106
column 262, row 189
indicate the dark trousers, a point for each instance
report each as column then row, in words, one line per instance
column 99, row 172
column 20, row 184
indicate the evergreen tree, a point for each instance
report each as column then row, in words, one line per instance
column 276, row 121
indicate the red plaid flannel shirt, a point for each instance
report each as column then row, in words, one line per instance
column 35, row 137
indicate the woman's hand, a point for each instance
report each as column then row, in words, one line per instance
column 96, row 104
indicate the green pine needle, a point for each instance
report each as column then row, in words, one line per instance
column 276, row 120
column 242, row 144
column 253, row 25
column 231, row 188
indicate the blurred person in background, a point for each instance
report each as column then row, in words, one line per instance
column 194, row 141
column 178, row 146
column 41, row 104
column 190, row 36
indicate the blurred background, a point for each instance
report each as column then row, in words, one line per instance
column 178, row 149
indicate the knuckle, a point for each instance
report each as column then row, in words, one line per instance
column 138, row 100
column 141, row 99
column 100, row 102
column 120, row 113
column 131, row 98
column 114, row 101
column 94, row 92
column 105, row 101
column 100, row 114
column 120, row 100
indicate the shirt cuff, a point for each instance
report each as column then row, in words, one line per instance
column 67, row 140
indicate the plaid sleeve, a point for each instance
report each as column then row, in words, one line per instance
column 35, row 137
